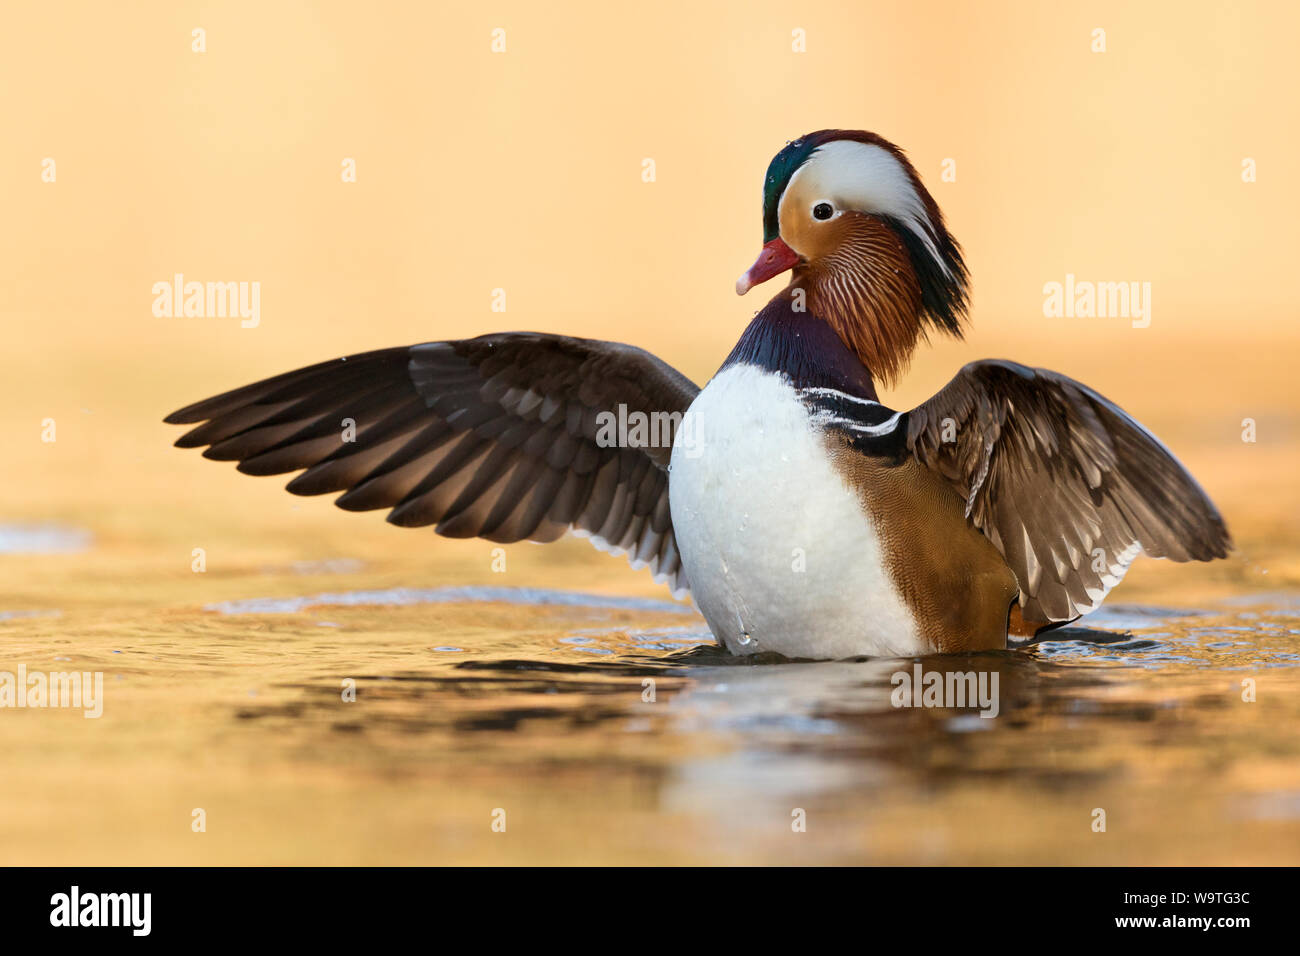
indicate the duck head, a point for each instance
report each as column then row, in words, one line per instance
column 846, row 212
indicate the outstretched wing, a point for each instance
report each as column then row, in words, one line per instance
column 1065, row 484
column 495, row 437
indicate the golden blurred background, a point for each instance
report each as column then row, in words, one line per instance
column 521, row 171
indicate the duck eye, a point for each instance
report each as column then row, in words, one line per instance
column 823, row 210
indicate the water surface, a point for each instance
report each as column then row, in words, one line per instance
column 604, row 729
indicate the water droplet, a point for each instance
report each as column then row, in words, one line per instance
column 744, row 639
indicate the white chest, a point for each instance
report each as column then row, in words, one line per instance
column 778, row 550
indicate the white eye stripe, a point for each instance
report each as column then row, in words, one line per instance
column 868, row 178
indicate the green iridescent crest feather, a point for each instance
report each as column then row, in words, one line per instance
column 783, row 166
